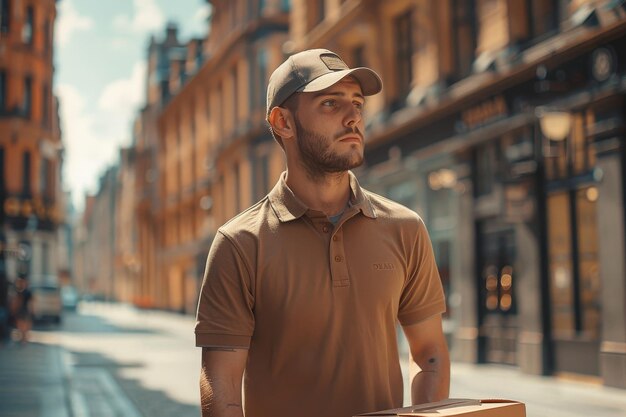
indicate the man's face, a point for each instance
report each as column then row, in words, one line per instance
column 329, row 128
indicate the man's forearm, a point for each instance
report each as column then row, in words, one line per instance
column 220, row 382
column 218, row 400
column 430, row 386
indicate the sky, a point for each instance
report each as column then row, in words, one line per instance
column 100, row 61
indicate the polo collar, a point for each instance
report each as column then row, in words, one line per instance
column 288, row 207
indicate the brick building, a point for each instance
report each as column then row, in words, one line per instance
column 30, row 144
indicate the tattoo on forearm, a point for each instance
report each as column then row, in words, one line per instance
column 432, row 360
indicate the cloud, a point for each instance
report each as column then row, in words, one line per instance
column 202, row 13
column 123, row 96
column 70, row 22
column 88, row 153
column 147, row 16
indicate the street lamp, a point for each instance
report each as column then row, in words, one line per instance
column 555, row 125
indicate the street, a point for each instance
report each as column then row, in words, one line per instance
column 111, row 360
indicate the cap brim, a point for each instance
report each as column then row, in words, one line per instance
column 368, row 79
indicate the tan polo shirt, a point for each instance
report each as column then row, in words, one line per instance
column 316, row 304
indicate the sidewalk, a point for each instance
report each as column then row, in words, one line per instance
column 33, row 381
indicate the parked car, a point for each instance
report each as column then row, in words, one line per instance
column 69, row 297
column 47, row 303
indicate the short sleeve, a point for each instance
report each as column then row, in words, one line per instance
column 422, row 296
column 225, row 308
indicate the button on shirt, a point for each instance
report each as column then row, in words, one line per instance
column 316, row 305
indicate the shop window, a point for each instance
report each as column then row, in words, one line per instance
column 496, row 255
column 403, row 40
column 560, row 258
column 587, row 260
column 465, row 36
column 574, row 265
column 5, row 18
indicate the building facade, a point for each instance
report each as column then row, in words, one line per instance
column 502, row 124
column 30, row 145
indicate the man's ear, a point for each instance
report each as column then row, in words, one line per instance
column 282, row 122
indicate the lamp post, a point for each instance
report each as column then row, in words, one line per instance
column 554, row 126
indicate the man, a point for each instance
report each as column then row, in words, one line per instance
column 303, row 290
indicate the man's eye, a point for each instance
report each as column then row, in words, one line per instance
column 358, row 105
column 329, row 103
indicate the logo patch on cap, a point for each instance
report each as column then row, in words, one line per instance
column 333, row 62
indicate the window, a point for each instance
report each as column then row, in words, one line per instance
column 45, row 258
column 543, row 17
column 43, row 177
column 464, row 30
column 45, row 106
column 358, row 56
column 237, row 188
column 485, row 169
column 1, row 170
column 259, row 81
column 404, row 51
column 46, row 37
column 574, row 264
column 3, row 90
column 321, row 10
column 5, row 11
column 261, row 177
column 27, row 98
column 234, row 92
column 26, row 173
column 28, row 27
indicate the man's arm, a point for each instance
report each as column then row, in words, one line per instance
column 220, row 381
column 430, row 352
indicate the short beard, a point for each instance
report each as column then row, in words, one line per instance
column 315, row 156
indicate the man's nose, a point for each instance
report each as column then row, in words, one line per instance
column 353, row 117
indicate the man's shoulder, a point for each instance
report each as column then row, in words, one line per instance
column 250, row 220
column 387, row 208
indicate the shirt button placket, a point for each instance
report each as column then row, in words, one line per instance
column 339, row 267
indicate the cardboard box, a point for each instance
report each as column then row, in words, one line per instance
column 459, row 407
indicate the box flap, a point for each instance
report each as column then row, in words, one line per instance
column 450, row 402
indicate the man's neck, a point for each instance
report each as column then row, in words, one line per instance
column 328, row 194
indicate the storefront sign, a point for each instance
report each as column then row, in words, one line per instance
column 485, row 112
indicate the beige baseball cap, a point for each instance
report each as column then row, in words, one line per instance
column 315, row 70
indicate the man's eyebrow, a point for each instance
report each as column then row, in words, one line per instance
column 336, row 93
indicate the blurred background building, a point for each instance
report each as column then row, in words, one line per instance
column 501, row 122
column 31, row 152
